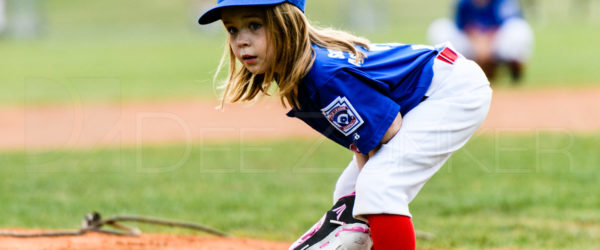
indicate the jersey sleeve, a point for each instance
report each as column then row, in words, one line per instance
column 357, row 107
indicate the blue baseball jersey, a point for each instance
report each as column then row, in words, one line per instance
column 487, row 17
column 355, row 103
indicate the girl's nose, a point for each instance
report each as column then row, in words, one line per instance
column 243, row 39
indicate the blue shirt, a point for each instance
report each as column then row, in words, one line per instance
column 490, row 16
column 355, row 103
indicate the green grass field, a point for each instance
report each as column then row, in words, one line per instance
column 534, row 191
column 110, row 50
column 528, row 192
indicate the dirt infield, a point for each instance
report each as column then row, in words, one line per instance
column 97, row 241
column 91, row 125
column 77, row 125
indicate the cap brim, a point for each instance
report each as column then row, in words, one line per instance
column 214, row 14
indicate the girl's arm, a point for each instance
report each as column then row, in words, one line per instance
column 361, row 158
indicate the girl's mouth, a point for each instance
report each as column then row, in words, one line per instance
column 249, row 59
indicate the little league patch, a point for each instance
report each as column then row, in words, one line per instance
column 342, row 115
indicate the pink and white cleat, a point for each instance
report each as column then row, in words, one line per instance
column 336, row 230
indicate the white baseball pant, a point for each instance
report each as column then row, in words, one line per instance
column 458, row 102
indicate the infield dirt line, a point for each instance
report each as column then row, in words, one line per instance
column 78, row 125
column 146, row 241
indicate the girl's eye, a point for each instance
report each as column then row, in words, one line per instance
column 255, row 26
column 232, row 30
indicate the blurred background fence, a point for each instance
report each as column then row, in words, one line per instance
column 379, row 18
column 56, row 50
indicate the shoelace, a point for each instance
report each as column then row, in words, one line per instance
column 353, row 229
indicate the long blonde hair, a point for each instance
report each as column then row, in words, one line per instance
column 292, row 36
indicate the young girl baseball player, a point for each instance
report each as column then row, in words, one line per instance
column 402, row 109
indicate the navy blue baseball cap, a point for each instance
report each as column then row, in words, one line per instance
column 214, row 14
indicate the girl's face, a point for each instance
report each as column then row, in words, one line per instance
column 248, row 37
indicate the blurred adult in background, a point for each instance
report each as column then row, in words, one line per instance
column 491, row 32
